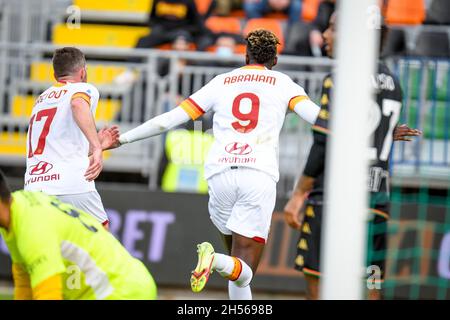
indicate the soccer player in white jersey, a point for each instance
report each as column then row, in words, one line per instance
column 62, row 134
column 250, row 104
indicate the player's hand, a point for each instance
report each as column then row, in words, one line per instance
column 109, row 137
column 403, row 132
column 292, row 214
column 95, row 164
column 316, row 38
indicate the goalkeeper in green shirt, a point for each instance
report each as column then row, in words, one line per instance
column 60, row 252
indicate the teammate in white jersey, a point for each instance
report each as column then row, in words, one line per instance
column 61, row 135
column 250, row 104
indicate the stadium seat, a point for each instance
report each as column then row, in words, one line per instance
column 439, row 12
column 203, row 6
column 98, row 35
column 238, row 13
column 269, row 24
column 432, row 44
column 395, row 44
column 309, row 9
column 13, row 144
column 276, row 15
column 106, row 110
column 116, row 5
column 224, row 24
column 405, row 11
column 98, row 74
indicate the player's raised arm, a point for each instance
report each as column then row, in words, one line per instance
column 191, row 108
column 85, row 120
column 315, row 165
column 300, row 103
column 155, row 126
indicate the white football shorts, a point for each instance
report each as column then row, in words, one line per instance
column 242, row 200
column 89, row 202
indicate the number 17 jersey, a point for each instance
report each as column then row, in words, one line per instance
column 57, row 150
column 249, row 104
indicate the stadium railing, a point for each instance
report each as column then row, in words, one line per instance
column 29, row 20
column 426, row 105
column 25, row 71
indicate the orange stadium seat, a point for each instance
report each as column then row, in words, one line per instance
column 405, row 11
column 142, row 6
column 265, row 23
column 13, row 144
column 98, row 74
column 203, row 6
column 98, row 35
column 106, row 109
column 276, row 15
column 309, row 9
column 238, row 13
column 224, row 24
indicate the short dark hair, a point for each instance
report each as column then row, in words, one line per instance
column 262, row 46
column 68, row 60
column 5, row 192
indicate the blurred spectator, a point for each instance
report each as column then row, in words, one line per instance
column 225, row 46
column 306, row 39
column 170, row 19
column 224, row 7
column 395, row 43
column 259, row 8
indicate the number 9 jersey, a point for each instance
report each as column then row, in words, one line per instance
column 57, row 150
column 249, row 104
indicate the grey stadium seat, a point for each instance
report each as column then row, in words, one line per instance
column 432, row 44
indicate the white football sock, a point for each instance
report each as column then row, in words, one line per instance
column 239, row 293
column 233, row 269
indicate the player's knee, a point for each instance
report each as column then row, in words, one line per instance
column 245, row 276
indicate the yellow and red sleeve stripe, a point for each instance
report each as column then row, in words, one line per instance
column 22, row 285
column 380, row 213
column 311, row 272
column 49, row 289
column 236, row 270
column 83, row 96
column 192, row 108
column 293, row 102
column 321, row 129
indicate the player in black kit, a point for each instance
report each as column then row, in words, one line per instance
column 384, row 116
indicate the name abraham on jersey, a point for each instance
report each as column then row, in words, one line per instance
column 250, row 78
column 238, row 148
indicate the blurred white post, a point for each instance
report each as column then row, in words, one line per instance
column 344, row 236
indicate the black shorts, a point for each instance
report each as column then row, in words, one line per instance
column 308, row 247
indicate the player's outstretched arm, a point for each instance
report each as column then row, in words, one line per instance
column 315, row 166
column 155, row 126
column 83, row 117
column 306, row 109
column 403, row 133
column 295, row 204
column 108, row 137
